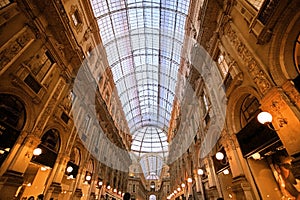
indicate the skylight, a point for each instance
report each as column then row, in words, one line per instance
column 143, row 41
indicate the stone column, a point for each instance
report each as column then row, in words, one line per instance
column 213, row 190
column 17, row 163
column 53, row 188
column 240, row 186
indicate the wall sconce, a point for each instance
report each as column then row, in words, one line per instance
column 182, row 185
column 226, row 171
column 88, row 177
column 189, row 180
column 200, row 172
column 266, row 119
column 37, row 151
column 219, row 156
column 69, row 169
column 100, row 183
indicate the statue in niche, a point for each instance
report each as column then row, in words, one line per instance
column 289, row 185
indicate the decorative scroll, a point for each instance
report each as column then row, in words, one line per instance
column 255, row 70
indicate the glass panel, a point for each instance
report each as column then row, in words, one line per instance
column 143, row 41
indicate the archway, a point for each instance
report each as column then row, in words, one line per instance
column 12, row 121
column 40, row 167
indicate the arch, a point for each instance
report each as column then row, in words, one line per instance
column 90, row 166
column 234, row 105
column 12, row 122
column 249, row 108
column 50, row 146
column 282, row 66
column 75, row 156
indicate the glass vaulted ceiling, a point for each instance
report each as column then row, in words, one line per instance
column 143, row 41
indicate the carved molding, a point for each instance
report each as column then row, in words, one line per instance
column 255, row 70
column 11, row 50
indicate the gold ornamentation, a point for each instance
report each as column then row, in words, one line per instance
column 257, row 74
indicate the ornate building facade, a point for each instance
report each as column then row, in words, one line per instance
column 241, row 57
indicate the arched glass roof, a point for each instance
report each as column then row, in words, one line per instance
column 143, row 41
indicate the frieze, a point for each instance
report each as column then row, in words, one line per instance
column 257, row 74
column 11, row 49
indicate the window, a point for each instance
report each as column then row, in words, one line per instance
column 4, row 3
column 32, row 83
column 256, row 3
column 249, row 109
column 76, row 18
column 223, row 65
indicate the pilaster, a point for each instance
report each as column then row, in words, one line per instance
column 10, row 181
column 53, row 191
column 286, row 116
column 242, row 189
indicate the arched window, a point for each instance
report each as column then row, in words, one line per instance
column 249, row 109
column 73, row 165
column 12, row 121
column 50, row 144
column 297, row 62
column 89, row 172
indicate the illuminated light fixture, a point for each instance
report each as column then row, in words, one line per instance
column 115, row 190
column 264, row 118
column 226, row 171
column 44, row 168
column 123, row 194
column 200, row 172
column 119, row 192
column 37, row 151
column 168, row 197
column 2, row 151
column 182, row 185
column 178, row 189
column 219, row 156
column 28, row 184
column 70, row 177
column 88, row 177
column 7, row 149
column 108, row 187
column 69, row 169
column 100, row 183
column 256, row 156
column 175, row 191
column 189, row 180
